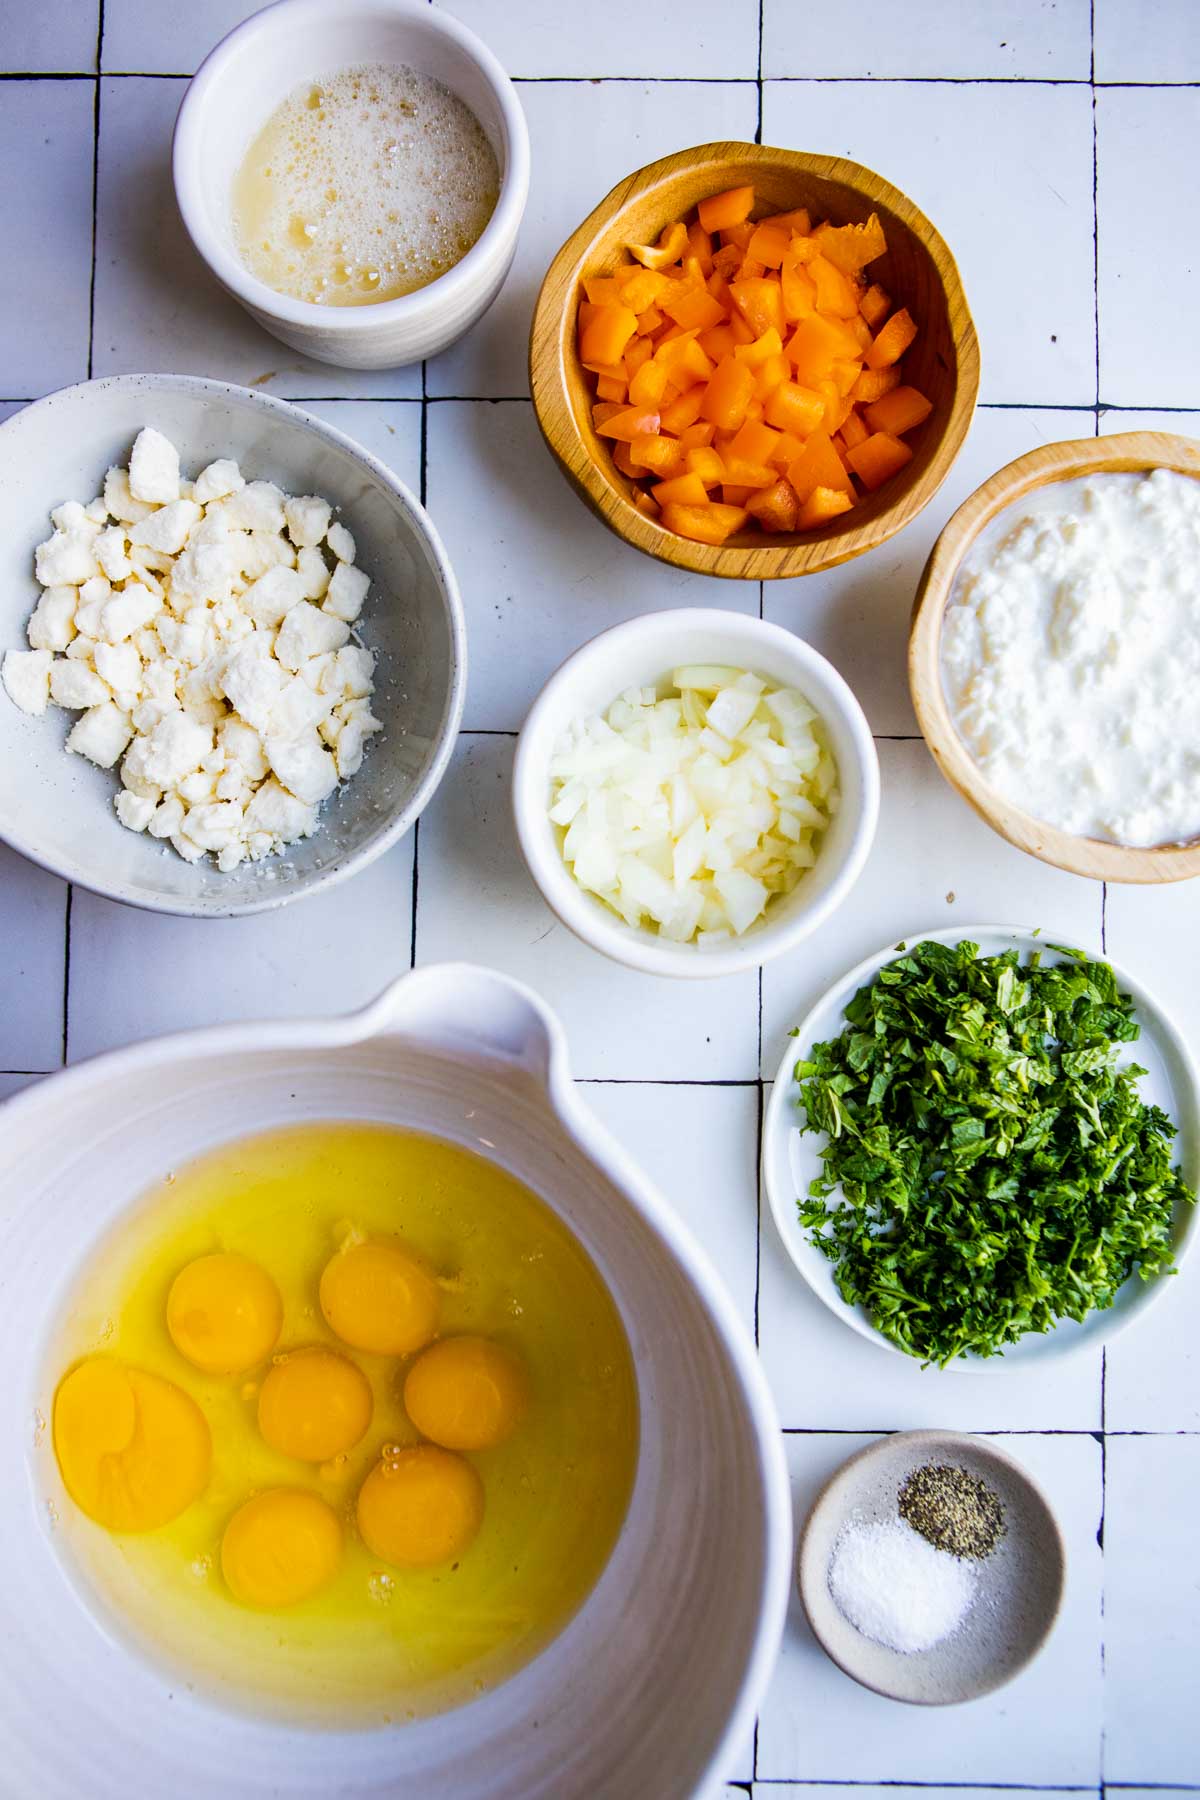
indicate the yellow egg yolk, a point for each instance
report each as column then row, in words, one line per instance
column 377, row 1297
column 466, row 1393
column 420, row 1507
column 134, row 1450
column 314, row 1404
column 224, row 1313
column 280, row 1547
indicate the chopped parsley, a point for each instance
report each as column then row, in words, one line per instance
column 989, row 1170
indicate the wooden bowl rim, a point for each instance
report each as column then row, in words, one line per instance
column 559, row 426
column 1126, row 452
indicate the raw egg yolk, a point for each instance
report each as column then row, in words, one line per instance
column 280, row 1547
column 134, row 1449
column 379, row 1298
column 224, row 1313
column 420, row 1507
column 466, row 1393
column 314, row 1404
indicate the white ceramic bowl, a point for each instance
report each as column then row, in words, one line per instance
column 642, row 652
column 242, row 82
column 654, row 1684
column 58, row 809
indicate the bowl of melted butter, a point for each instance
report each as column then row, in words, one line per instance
column 355, row 176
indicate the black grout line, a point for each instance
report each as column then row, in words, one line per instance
column 966, row 1787
column 66, row 999
column 1065, row 406
column 758, row 128
column 424, row 489
column 1045, row 81
column 714, row 1081
column 6, row 1072
column 1095, row 212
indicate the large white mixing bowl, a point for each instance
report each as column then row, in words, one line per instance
column 652, row 1686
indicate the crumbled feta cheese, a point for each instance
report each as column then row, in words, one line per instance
column 185, row 634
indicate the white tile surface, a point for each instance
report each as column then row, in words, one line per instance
column 63, row 36
column 1047, row 39
column 46, row 133
column 168, row 37
column 930, row 141
column 584, row 138
column 389, row 429
column 819, row 1725
column 858, row 615
column 551, row 575
column 1145, row 141
column 157, row 307
column 1152, row 1610
column 1155, row 40
column 33, row 908
column 677, row 38
column 13, row 1084
column 137, row 974
column 930, row 845
column 817, row 1790
column 619, row 1023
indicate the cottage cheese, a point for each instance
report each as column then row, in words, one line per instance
column 1071, row 656
column 204, row 636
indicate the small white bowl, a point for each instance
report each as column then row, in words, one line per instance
column 641, row 653
column 238, row 87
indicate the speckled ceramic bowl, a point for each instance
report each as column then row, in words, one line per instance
column 1020, row 1584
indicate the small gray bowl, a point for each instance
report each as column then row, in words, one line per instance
column 1020, row 1583
column 57, row 809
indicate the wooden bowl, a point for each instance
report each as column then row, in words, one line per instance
column 918, row 271
column 1130, row 452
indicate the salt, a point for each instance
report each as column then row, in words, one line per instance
column 894, row 1587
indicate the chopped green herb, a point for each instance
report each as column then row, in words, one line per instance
column 989, row 1170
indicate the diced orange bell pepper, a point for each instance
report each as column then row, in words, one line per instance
column 737, row 234
column 605, row 409
column 760, row 302
column 699, row 245
column 851, row 247
column 788, row 448
column 637, row 351
column 879, row 458
column 603, row 290
column 853, row 430
column 660, row 454
column 606, row 334
column 873, row 384
column 771, row 374
column 645, row 289
column 798, row 290
column 718, row 342
column 694, row 309
column 609, row 388
column 743, row 333
column 892, row 341
column 812, row 347
column 755, row 442
column 769, row 245
column 669, row 248
column 819, row 465
column 900, row 411
column 875, row 306
column 684, row 411
column 720, row 211
column 859, row 329
column 796, row 223
column 705, row 463
column 733, row 495
column 836, row 407
column 646, row 503
column 727, row 261
column 728, row 394
column 626, row 464
column 648, row 385
column 650, row 321
column 750, row 475
column 629, row 423
column 585, row 315
column 751, row 269
column 698, row 436
column 794, row 408
column 709, row 524
column 844, row 373
column 755, row 354
column 822, row 505
column 776, row 508
column 681, row 490
column 837, row 295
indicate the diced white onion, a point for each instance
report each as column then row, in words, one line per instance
column 689, row 809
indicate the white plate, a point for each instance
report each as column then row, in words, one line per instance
column 790, row 1159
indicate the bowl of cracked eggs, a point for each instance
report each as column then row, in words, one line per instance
column 231, row 645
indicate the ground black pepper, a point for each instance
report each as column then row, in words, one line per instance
column 953, row 1509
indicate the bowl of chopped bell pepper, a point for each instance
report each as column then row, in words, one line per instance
column 753, row 362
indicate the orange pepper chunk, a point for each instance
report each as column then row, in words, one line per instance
column 626, row 464
column 755, row 354
column 898, row 412
column 821, row 505
column 771, row 374
column 742, row 473
column 733, row 495
column 694, row 309
column 662, row 455
column 893, row 340
column 704, row 462
column 776, row 508
column 722, row 211
column 718, row 342
column 795, row 408
column 844, row 373
column 813, row 346
column 708, row 524
column 644, row 289
column 851, row 247
column 755, row 442
column 737, row 234
column 606, row 334
column 875, row 306
column 819, row 465
column 629, row 423
column 878, row 459
column 648, row 385
column 669, row 248
column 796, row 223
column 681, row 490
column 605, row 409
column 872, row 384
column 649, row 321
column 727, row 261
column 798, row 290
column 699, row 245
column 684, row 410
column 728, row 394
column 770, row 242
column 788, row 448
column 698, row 436
column 760, row 302
column 602, row 290
column 637, row 352
column 646, row 503
column 837, row 295
column 853, row 430
column 609, row 388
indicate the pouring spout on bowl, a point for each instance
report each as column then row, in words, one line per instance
column 467, row 1011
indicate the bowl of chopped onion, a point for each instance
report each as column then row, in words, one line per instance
column 695, row 792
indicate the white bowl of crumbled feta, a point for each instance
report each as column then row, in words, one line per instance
column 695, row 792
column 1055, row 655
column 231, row 646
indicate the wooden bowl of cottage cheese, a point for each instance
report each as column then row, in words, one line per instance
column 1054, row 655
